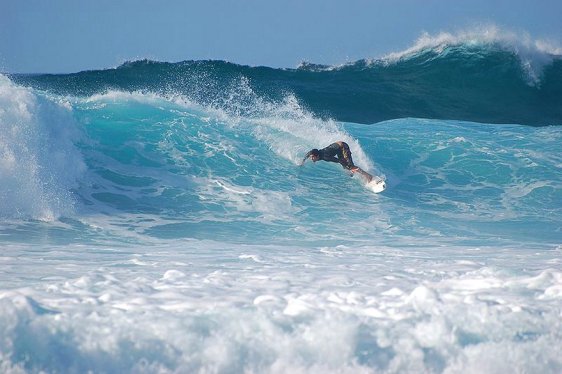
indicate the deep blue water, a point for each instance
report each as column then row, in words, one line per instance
column 473, row 82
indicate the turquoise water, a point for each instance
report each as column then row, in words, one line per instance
column 147, row 230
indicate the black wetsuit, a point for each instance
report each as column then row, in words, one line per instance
column 340, row 149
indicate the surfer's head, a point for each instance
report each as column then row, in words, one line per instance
column 314, row 154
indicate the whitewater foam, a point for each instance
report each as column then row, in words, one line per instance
column 217, row 307
column 39, row 163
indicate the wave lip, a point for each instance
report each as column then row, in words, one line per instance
column 534, row 54
column 484, row 35
column 39, row 164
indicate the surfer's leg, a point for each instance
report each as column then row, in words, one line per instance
column 366, row 175
column 348, row 163
column 344, row 156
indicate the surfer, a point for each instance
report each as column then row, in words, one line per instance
column 341, row 150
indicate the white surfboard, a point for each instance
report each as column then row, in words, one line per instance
column 376, row 185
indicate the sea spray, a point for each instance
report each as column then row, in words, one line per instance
column 39, row 162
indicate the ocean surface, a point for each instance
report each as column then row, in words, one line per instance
column 154, row 217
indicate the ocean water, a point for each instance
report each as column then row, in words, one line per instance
column 154, row 217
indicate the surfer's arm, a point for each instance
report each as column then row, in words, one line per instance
column 305, row 158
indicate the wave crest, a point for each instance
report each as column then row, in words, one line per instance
column 484, row 75
column 534, row 54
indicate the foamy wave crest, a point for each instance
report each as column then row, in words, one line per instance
column 286, row 126
column 39, row 163
column 534, row 54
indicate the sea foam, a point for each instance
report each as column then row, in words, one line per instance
column 39, row 163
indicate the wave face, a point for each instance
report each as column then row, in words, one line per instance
column 484, row 82
column 154, row 219
column 229, row 175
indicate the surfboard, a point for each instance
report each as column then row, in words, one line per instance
column 376, row 185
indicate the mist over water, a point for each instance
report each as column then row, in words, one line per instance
column 154, row 217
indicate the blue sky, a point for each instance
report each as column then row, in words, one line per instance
column 72, row 35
